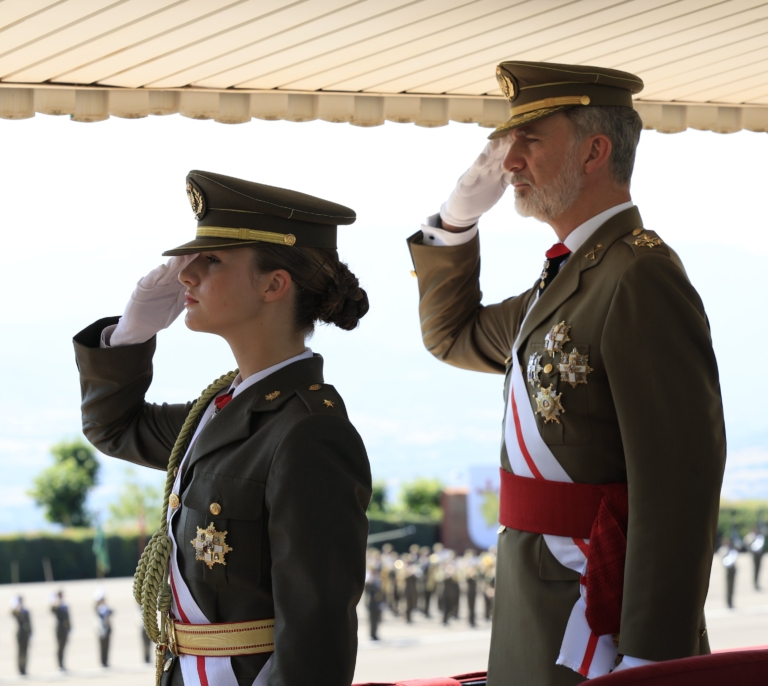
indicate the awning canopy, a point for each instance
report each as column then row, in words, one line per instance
column 704, row 62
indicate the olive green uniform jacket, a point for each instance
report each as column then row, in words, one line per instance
column 650, row 415
column 292, row 478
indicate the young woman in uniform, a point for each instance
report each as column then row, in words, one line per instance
column 260, row 561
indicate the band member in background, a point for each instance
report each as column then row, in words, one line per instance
column 264, row 538
column 63, row 626
column 23, row 632
column 103, row 627
column 607, row 464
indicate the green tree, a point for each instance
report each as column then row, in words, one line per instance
column 137, row 504
column 379, row 503
column 62, row 489
column 422, row 497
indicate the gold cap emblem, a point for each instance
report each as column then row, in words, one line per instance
column 210, row 546
column 196, row 200
column 506, row 84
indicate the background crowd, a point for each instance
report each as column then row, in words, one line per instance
column 432, row 581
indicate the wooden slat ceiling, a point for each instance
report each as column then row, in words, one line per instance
column 704, row 62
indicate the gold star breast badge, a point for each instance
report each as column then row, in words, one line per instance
column 574, row 368
column 534, row 369
column 557, row 338
column 210, row 546
column 548, row 404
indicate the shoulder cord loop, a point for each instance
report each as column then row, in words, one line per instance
column 150, row 582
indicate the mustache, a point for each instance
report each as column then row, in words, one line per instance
column 517, row 178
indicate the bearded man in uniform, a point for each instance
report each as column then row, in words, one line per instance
column 614, row 442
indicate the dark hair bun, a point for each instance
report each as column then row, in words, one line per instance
column 345, row 303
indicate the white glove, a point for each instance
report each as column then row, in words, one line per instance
column 154, row 305
column 479, row 188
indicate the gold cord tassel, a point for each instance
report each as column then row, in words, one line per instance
column 150, row 582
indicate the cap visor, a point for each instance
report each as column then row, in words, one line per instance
column 522, row 119
column 203, row 244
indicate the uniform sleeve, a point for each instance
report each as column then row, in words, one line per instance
column 664, row 381
column 318, row 490
column 455, row 326
column 116, row 419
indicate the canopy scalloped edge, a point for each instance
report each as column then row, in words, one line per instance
column 89, row 104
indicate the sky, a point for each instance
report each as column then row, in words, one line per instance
column 87, row 209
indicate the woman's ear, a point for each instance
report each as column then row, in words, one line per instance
column 277, row 285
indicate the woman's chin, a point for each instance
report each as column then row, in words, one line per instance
column 193, row 323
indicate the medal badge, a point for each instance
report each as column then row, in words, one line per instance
column 210, row 546
column 548, row 404
column 574, row 368
column 534, row 369
column 557, row 338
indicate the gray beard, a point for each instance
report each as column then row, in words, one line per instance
column 546, row 203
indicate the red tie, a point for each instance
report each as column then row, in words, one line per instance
column 557, row 250
column 222, row 401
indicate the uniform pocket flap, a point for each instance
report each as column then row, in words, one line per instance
column 227, row 497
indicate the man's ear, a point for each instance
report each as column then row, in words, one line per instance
column 278, row 285
column 598, row 153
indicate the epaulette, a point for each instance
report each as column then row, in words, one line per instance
column 643, row 241
column 322, row 398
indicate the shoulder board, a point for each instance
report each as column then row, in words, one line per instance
column 644, row 241
column 322, row 398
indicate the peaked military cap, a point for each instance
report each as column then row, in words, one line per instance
column 537, row 89
column 232, row 213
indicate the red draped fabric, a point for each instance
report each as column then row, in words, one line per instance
column 728, row 668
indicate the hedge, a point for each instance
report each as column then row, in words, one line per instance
column 70, row 554
column 744, row 515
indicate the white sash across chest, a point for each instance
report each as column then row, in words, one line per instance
column 529, row 456
column 198, row 670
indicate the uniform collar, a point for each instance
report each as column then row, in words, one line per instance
column 265, row 395
column 580, row 234
column 239, row 384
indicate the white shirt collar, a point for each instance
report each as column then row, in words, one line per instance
column 580, row 234
column 240, row 384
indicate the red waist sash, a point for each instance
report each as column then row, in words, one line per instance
column 598, row 512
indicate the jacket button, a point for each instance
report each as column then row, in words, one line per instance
column 215, row 509
column 173, row 501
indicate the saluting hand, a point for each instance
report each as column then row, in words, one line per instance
column 479, row 188
column 154, row 305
